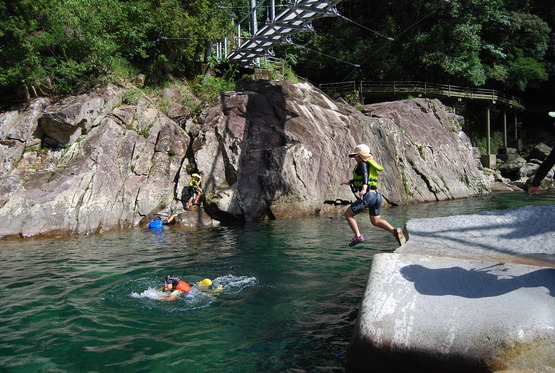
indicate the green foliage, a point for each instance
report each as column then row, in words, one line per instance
column 496, row 142
column 290, row 76
column 78, row 43
column 75, row 42
column 145, row 132
column 496, row 43
column 132, row 96
column 353, row 99
column 70, row 45
column 209, row 88
column 279, row 69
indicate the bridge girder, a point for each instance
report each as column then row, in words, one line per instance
column 296, row 17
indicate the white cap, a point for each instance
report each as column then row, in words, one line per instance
column 362, row 150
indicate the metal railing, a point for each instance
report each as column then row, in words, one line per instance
column 424, row 89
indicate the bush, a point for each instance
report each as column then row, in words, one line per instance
column 496, row 142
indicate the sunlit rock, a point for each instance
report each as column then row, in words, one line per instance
column 89, row 163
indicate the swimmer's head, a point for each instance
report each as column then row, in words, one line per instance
column 171, row 279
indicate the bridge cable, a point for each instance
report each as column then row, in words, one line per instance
column 323, row 54
column 389, row 41
column 364, row 27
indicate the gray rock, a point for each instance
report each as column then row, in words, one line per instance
column 115, row 177
column 512, row 168
column 63, row 122
column 540, row 151
column 434, row 158
column 279, row 150
column 521, row 235
column 439, row 314
column 471, row 293
column 287, row 144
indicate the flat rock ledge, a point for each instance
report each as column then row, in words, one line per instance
column 471, row 293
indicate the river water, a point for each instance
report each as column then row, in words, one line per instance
column 291, row 292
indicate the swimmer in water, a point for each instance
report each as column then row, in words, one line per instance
column 174, row 287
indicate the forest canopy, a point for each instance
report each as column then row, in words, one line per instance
column 70, row 45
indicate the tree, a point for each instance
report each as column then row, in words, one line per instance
column 77, row 43
column 464, row 42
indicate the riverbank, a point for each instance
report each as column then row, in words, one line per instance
column 100, row 161
column 465, row 293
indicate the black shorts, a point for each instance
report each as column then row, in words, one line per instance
column 192, row 191
column 371, row 201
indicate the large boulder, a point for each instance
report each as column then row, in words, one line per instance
column 284, row 145
column 90, row 163
column 469, row 293
column 539, row 152
column 63, row 122
column 520, row 172
column 422, row 140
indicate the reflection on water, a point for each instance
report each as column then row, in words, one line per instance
column 291, row 293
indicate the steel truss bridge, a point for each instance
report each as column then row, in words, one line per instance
column 296, row 17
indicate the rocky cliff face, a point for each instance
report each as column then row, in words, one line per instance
column 92, row 163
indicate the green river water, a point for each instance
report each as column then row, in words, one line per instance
column 292, row 289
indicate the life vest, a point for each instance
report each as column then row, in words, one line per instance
column 372, row 181
column 195, row 181
column 183, row 286
column 156, row 224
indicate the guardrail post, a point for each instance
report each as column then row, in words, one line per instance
column 503, row 152
column 505, row 144
column 488, row 159
column 516, row 142
column 488, row 129
column 516, row 127
column 208, row 50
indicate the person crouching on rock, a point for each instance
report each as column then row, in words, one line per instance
column 365, row 183
column 194, row 189
column 174, row 287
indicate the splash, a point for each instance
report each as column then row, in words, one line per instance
column 200, row 296
column 149, row 293
column 234, row 284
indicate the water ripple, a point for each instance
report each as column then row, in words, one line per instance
column 291, row 294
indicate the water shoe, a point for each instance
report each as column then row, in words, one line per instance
column 399, row 236
column 356, row 240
